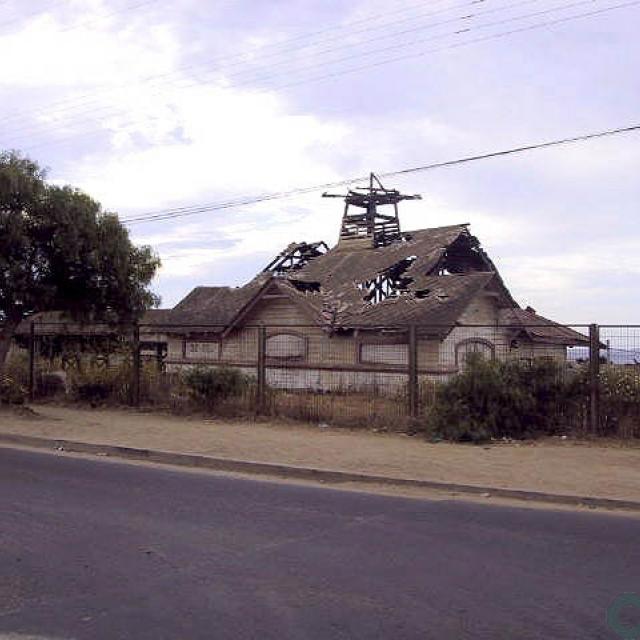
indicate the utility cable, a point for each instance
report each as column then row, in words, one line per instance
column 181, row 212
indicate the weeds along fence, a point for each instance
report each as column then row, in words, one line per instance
column 579, row 378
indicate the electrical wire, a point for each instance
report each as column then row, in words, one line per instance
column 123, row 10
column 108, row 110
column 181, row 212
column 475, row 27
column 185, row 83
column 146, row 120
column 503, row 34
column 208, row 64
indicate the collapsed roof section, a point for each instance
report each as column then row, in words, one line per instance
column 295, row 257
column 421, row 253
column 425, row 277
column 375, row 277
column 412, row 279
column 436, row 307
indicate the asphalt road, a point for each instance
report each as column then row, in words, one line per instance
column 97, row 549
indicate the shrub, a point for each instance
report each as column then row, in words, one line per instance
column 11, row 391
column 97, row 384
column 17, row 368
column 621, row 385
column 620, row 400
column 494, row 399
column 208, row 386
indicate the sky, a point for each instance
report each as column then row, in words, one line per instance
column 149, row 105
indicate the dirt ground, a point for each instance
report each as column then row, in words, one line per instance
column 552, row 465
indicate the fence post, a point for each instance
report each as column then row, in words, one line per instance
column 159, row 358
column 32, row 361
column 594, row 378
column 413, row 372
column 135, row 382
column 262, row 370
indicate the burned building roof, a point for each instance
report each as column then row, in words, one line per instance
column 425, row 276
column 388, row 286
column 215, row 307
column 375, row 276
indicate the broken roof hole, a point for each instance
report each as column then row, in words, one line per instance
column 295, row 257
column 306, row 287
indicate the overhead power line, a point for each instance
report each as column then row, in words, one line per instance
column 458, row 31
column 88, row 133
column 90, row 114
column 464, row 43
column 218, row 62
column 122, row 10
column 27, row 16
column 181, row 212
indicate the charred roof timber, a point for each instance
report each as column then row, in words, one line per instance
column 295, row 256
column 371, row 228
column 390, row 283
column 465, row 255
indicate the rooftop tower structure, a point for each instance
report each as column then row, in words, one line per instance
column 368, row 227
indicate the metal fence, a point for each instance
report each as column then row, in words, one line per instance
column 387, row 377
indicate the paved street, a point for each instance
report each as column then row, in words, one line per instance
column 97, row 549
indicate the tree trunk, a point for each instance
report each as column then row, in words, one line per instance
column 6, row 338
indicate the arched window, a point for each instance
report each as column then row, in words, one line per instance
column 286, row 345
column 484, row 348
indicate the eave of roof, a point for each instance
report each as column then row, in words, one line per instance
column 540, row 329
column 52, row 323
column 214, row 308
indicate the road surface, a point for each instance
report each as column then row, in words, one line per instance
column 99, row 549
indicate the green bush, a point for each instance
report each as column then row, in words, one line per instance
column 621, row 385
column 11, row 391
column 96, row 384
column 620, row 400
column 208, row 386
column 494, row 399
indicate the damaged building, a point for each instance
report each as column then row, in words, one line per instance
column 339, row 318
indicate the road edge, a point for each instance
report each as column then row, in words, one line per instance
column 291, row 472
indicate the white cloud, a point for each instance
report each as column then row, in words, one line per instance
column 46, row 51
column 138, row 145
column 249, row 236
column 206, row 141
column 159, row 142
column 570, row 285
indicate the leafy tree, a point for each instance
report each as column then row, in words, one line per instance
column 60, row 251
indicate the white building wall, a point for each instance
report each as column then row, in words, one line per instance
column 436, row 359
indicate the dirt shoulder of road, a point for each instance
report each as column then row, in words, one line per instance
column 585, row 469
